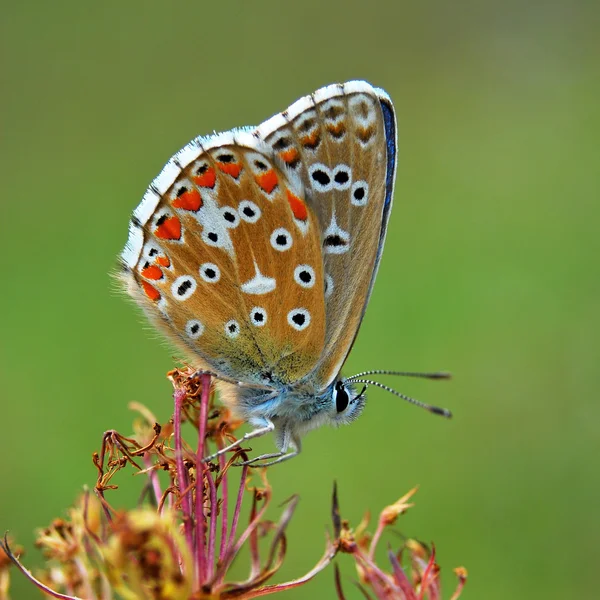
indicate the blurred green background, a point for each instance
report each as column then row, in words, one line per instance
column 490, row 270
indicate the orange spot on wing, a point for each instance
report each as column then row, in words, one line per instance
column 232, row 169
column 337, row 130
column 190, row 200
column 169, row 229
column 150, row 291
column 206, row 179
column 152, row 272
column 163, row 261
column 365, row 133
column 267, row 181
column 289, row 156
column 312, row 140
column 297, row 205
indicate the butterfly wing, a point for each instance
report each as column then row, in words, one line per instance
column 341, row 142
column 224, row 256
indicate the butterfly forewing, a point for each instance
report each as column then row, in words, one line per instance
column 341, row 141
column 224, row 254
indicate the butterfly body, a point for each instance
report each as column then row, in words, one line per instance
column 255, row 251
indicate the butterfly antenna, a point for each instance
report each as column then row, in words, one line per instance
column 444, row 412
column 438, row 375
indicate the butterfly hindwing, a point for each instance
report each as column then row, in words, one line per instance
column 341, row 142
column 224, row 254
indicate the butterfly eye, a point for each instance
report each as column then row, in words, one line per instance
column 341, row 397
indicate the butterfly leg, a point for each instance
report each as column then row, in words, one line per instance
column 281, row 456
column 262, row 426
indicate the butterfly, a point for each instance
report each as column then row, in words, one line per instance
column 255, row 251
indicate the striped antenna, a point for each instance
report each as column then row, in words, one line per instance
column 436, row 410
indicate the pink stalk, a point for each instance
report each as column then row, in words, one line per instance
column 365, row 561
column 238, row 508
column 186, row 505
column 228, row 541
column 41, row 586
column 233, row 549
column 200, row 548
column 225, row 497
column 253, row 543
column 327, row 557
column 400, row 577
column 427, row 575
column 153, row 475
column 212, row 536
column 380, row 527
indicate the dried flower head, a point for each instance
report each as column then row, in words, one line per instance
column 181, row 541
column 422, row 581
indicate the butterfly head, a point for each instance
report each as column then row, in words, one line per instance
column 346, row 403
column 341, row 403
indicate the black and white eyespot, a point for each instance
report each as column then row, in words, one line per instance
column 281, row 141
column 212, row 238
column 194, row 329
column 210, row 272
column 337, row 241
column 281, row 239
column 304, row 276
column 258, row 316
column 232, row 329
column 328, row 285
column 320, row 177
column 230, row 216
column 341, row 397
column 248, row 211
column 342, row 177
column 298, row 318
column 225, row 157
column 151, row 251
column 183, row 287
column 258, row 163
column 200, row 167
column 359, row 193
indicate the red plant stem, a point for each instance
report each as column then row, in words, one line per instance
column 182, row 475
column 253, row 543
column 427, row 574
column 212, row 536
column 225, row 500
column 370, row 565
column 380, row 527
column 238, row 508
column 153, row 475
column 227, row 556
column 202, row 560
column 255, row 521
